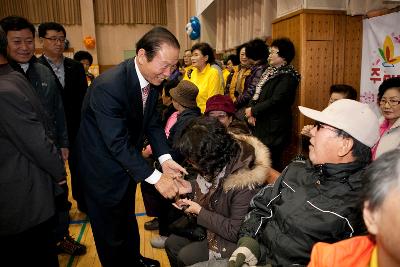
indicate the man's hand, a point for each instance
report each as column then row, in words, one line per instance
column 167, row 186
column 64, row 153
column 248, row 112
column 184, row 186
column 251, row 121
column 307, row 130
column 247, row 253
column 173, row 168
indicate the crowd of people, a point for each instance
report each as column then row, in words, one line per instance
column 205, row 140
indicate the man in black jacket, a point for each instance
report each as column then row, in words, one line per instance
column 71, row 81
column 30, row 172
column 314, row 200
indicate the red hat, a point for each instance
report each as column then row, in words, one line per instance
column 220, row 103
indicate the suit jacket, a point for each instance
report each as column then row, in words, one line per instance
column 30, row 166
column 110, row 138
column 72, row 93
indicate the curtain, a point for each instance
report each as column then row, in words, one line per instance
column 240, row 21
column 67, row 12
column 130, row 12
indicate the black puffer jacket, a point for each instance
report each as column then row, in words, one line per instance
column 306, row 204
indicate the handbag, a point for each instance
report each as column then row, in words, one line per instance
column 186, row 226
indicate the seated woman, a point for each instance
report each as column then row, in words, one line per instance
column 389, row 100
column 231, row 170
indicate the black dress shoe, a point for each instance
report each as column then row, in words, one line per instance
column 146, row 262
column 152, row 225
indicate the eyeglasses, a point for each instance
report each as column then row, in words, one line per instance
column 391, row 102
column 55, row 39
column 320, row 125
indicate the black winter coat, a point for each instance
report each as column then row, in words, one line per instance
column 307, row 204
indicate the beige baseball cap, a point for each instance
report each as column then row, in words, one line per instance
column 355, row 118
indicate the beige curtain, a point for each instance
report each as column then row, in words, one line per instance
column 130, row 11
column 67, row 12
column 239, row 21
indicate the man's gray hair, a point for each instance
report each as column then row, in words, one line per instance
column 380, row 177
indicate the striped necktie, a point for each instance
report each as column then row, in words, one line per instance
column 145, row 95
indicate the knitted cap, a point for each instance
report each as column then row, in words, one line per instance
column 220, row 103
column 185, row 93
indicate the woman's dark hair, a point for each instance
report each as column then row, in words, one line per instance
column 256, row 50
column 206, row 50
column 15, row 23
column 234, row 58
column 286, row 48
column 348, row 91
column 151, row 42
column 238, row 48
column 48, row 26
column 3, row 42
column 81, row 55
column 207, row 144
column 387, row 84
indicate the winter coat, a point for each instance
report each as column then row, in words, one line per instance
column 305, row 205
column 229, row 202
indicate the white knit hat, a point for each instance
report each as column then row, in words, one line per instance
column 353, row 117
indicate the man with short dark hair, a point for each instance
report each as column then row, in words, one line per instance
column 71, row 80
column 119, row 111
column 21, row 47
column 30, row 172
column 313, row 200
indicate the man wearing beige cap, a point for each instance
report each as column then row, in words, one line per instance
column 313, row 200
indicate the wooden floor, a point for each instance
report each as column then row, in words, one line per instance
column 80, row 229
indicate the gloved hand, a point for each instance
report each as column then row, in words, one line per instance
column 248, row 252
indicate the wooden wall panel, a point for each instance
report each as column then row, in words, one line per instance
column 338, row 49
column 328, row 51
column 319, row 27
column 318, row 76
column 353, row 52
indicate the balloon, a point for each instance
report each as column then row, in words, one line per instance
column 193, row 28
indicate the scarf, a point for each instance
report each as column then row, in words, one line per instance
column 272, row 72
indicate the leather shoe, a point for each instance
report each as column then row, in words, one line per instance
column 152, row 225
column 146, row 262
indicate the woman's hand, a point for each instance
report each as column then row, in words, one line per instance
column 193, row 207
column 247, row 113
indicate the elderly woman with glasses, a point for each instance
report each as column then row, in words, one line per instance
column 389, row 100
column 270, row 109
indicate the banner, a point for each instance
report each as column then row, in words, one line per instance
column 380, row 54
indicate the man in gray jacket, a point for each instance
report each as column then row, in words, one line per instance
column 30, row 173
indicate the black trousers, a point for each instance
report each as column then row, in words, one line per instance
column 33, row 247
column 184, row 252
column 115, row 229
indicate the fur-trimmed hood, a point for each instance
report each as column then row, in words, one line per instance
column 251, row 173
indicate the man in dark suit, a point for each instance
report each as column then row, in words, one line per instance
column 71, row 80
column 119, row 110
column 31, row 170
